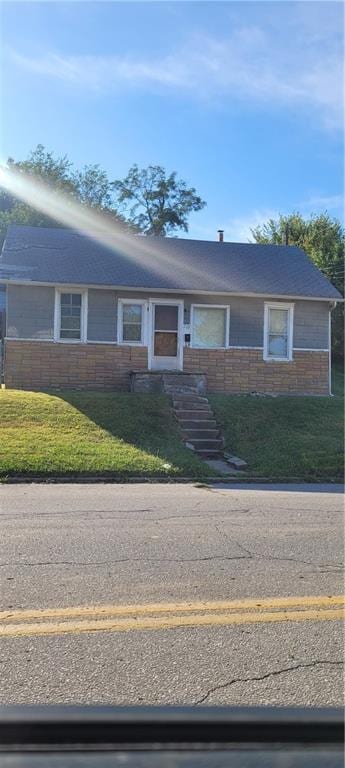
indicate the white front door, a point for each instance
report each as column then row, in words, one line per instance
column 166, row 331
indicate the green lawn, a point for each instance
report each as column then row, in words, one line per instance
column 126, row 435
column 338, row 385
column 91, row 433
column 286, row 437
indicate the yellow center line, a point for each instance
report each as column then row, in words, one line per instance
column 167, row 608
column 126, row 618
column 168, row 622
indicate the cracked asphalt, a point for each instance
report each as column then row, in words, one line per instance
column 71, row 545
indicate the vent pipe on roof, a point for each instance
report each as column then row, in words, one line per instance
column 220, row 235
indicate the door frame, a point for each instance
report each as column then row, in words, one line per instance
column 150, row 341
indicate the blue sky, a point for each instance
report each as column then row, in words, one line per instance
column 242, row 99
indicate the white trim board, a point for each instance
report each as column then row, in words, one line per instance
column 310, row 349
column 50, row 340
column 115, row 344
column 176, row 291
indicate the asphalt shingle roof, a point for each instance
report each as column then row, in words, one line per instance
column 54, row 255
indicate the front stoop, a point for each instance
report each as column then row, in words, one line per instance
column 194, row 415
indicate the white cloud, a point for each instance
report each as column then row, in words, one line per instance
column 256, row 64
column 323, row 202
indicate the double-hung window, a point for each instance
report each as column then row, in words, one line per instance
column 278, row 331
column 131, row 320
column 210, row 326
column 70, row 316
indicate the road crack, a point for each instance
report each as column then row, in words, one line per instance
column 338, row 567
column 127, row 560
column 258, row 678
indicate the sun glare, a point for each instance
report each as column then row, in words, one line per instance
column 96, row 225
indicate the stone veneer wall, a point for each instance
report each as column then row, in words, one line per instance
column 44, row 365
column 244, row 370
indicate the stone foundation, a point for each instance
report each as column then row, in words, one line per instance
column 241, row 371
column 45, row 365
column 168, row 381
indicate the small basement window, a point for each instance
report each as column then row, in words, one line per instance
column 210, row 326
column 278, row 331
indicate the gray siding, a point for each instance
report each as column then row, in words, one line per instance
column 246, row 317
column 102, row 315
column 31, row 316
column 30, row 312
column 247, row 320
column 311, row 325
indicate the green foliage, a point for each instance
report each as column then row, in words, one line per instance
column 90, row 186
column 323, row 239
column 151, row 201
column 94, row 188
column 154, row 202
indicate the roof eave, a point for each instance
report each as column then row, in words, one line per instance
column 184, row 291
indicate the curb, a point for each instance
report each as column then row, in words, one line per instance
column 204, row 481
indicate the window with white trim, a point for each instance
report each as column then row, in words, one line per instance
column 70, row 326
column 278, row 331
column 131, row 322
column 209, row 326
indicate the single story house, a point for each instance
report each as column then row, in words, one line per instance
column 85, row 311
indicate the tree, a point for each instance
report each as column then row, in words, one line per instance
column 323, row 239
column 156, row 203
column 93, row 188
column 90, row 186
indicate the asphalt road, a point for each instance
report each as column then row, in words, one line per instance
column 195, row 582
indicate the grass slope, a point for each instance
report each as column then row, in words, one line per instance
column 125, row 435
column 286, row 436
column 91, row 433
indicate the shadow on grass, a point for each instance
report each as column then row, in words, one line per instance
column 144, row 422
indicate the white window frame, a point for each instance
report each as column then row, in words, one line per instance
column 120, row 304
column 290, row 309
column 227, row 323
column 83, row 315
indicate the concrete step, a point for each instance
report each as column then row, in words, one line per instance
column 181, row 378
column 202, row 444
column 197, row 423
column 181, row 387
column 208, row 452
column 190, row 397
column 183, row 414
column 191, row 405
column 200, row 434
